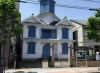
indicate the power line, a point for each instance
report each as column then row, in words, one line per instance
column 92, row 1
column 64, row 6
column 76, row 7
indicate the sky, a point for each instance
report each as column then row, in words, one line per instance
column 27, row 9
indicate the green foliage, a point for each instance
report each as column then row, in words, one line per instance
column 93, row 27
column 9, row 20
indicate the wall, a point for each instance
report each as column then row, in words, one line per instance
column 40, row 42
column 38, row 30
column 38, row 53
column 39, row 50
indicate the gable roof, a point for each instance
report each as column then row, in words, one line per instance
column 65, row 22
column 48, row 17
column 80, row 22
column 32, row 19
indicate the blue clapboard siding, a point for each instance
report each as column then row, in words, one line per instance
column 31, row 31
column 65, row 33
column 31, row 48
column 64, row 48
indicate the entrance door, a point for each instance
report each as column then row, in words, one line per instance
column 46, row 51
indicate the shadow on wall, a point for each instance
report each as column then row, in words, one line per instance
column 24, row 72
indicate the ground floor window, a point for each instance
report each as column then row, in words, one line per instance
column 31, row 48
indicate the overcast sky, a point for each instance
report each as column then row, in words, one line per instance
column 27, row 9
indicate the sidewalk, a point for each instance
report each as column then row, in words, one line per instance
column 55, row 70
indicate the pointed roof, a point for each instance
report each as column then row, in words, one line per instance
column 65, row 22
column 80, row 22
column 48, row 17
column 32, row 19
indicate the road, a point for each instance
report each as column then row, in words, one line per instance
column 55, row 70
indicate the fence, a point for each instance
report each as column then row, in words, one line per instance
column 61, row 60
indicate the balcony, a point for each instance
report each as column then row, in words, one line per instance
column 48, row 34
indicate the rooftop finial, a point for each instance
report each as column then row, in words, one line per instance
column 65, row 17
column 32, row 13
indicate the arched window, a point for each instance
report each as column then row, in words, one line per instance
column 64, row 48
column 65, row 33
column 31, row 48
column 31, row 31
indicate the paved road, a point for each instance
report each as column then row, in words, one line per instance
column 55, row 70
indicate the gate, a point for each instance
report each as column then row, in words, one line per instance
column 61, row 61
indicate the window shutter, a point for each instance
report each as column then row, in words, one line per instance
column 65, row 48
column 65, row 34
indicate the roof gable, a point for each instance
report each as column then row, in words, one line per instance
column 32, row 19
column 79, row 22
column 48, row 17
column 65, row 22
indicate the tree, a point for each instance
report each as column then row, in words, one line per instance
column 93, row 27
column 9, row 20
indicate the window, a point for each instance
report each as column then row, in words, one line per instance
column 64, row 48
column 31, row 48
column 44, row 8
column 31, row 31
column 49, row 33
column 65, row 34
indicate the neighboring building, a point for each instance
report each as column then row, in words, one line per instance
column 44, row 29
column 79, row 33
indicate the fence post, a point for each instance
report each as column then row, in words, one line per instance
column 52, row 53
column 70, row 55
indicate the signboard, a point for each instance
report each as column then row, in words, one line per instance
column 80, row 55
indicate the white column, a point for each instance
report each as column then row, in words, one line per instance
column 25, row 32
column 38, row 49
column 38, row 33
column 59, row 33
column 24, row 50
column 70, row 62
column 70, row 34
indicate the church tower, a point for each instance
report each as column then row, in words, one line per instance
column 47, row 6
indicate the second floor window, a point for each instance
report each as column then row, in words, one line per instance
column 49, row 33
column 31, row 31
column 65, row 33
